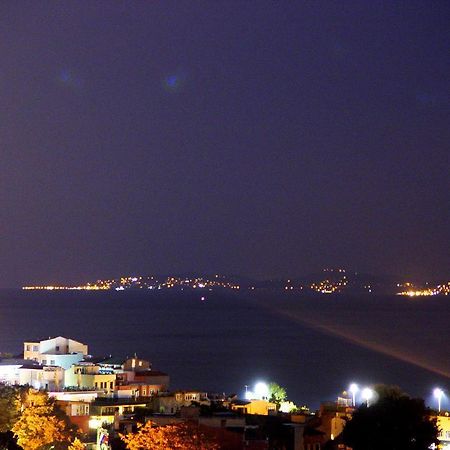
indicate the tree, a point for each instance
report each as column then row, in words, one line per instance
column 393, row 422
column 39, row 425
column 76, row 445
column 169, row 437
column 9, row 407
column 287, row 407
column 277, row 394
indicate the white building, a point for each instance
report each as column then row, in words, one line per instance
column 9, row 371
column 22, row 372
column 58, row 351
column 42, row 377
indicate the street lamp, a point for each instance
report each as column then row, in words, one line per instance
column 353, row 390
column 438, row 394
column 367, row 395
column 261, row 390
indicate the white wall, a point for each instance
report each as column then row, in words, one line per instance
column 10, row 374
column 42, row 378
column 61, row 345
column 64, row 361
column 82, row 396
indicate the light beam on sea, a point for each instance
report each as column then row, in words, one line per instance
column 348, row 336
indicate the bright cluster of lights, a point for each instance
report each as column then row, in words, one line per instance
column 148, row 282
column 199, row 283
column 367, row 394
column 87, row 287
column 422, row 293
column 329, row 286
column 440, row 289
column 444, row 288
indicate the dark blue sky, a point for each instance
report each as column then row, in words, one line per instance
column 259, row 138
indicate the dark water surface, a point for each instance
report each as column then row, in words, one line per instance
column 313, row 346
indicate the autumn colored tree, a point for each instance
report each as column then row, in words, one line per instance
column 76, row 445
column 169, row 437
column 40, row 425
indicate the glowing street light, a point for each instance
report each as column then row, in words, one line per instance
column 367, row 395
column 261, row 390
column 353, row 390
column 438, row 394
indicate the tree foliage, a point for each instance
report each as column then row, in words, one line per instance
column 9, row 407
column 40, row 424
column 277, row 394
column 169, row 437
column 393, row 422
column 76, row 445
column 288, row 407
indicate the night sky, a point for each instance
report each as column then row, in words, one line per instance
column 258, row 138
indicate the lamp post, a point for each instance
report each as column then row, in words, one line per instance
column 367, row 395
column 353, row 390
column 438, row 394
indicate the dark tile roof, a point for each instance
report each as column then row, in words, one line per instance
column 103, row 401
column 32, row 366
column 14, row 362
column 241, row 402
column 113, row 361
column 150, row 373
column 95, row 359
